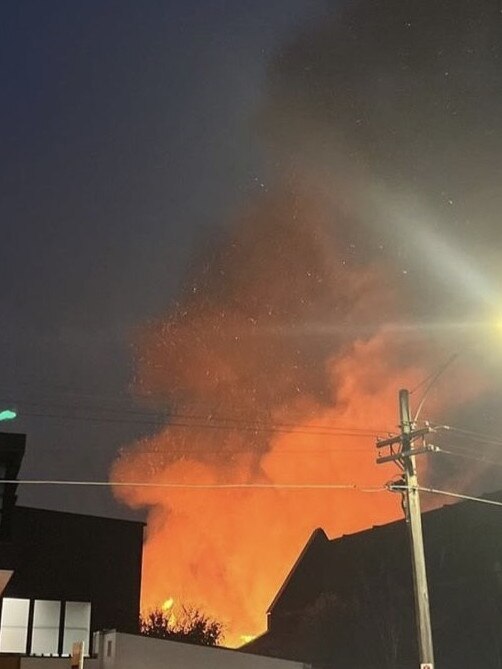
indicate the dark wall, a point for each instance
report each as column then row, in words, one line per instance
column 71, row 557
column 12, row 447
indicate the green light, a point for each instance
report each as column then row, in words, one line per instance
column 7, row 414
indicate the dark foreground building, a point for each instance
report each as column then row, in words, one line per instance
column 349, row 601
column 70, row 574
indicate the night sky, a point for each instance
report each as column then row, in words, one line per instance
column 128, row 133
column 131, row 132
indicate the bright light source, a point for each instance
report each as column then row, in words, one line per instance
column 8, row 414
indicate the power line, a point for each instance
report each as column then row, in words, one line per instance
column 435, row 374
column 447, row 493
column 257, row 486
column 432, row 382
column 222, row 451
column 475, row 436
column 164, row 416
column 202, row 486
column 469, row 455
column 327, row 431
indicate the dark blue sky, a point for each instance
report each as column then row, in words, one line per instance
column 128, row 133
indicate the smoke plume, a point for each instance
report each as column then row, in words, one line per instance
column 260, row 395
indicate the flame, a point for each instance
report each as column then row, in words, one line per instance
column 256, row 391
column 247, row 638
column 167, row 607
column 168, row 604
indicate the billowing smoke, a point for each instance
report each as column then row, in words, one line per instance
column 261, row 394
column 276, row 363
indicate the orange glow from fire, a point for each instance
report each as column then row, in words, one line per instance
column 256, row 394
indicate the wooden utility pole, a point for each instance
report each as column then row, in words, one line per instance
column 405, row 457
column 414, row 522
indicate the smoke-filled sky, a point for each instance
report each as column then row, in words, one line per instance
column 266, row 214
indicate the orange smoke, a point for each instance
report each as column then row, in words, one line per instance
column 261, row 393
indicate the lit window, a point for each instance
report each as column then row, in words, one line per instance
column 14, row 625
column 45, row 627
column 77, row 625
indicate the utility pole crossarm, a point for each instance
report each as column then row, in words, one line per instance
column 398, row 438
column 397, row 457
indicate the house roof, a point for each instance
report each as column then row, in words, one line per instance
column 348, row 544
column 317, row 536
column 372, row 568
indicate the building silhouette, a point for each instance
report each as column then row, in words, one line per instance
column 64, row 575
column 349, row 601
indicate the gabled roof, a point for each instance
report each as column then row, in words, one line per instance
column 317, row 536
column 322, row 558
